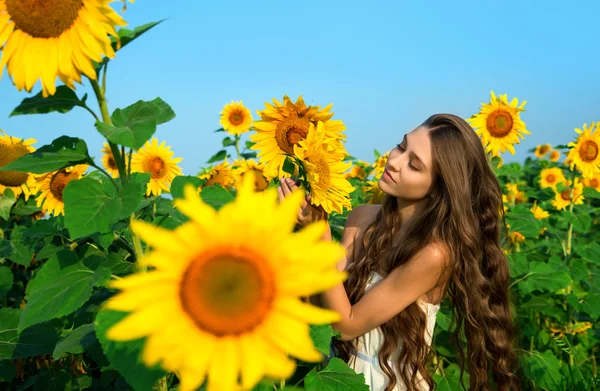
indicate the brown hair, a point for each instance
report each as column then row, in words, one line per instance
column 465, row 213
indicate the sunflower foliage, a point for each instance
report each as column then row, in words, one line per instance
column 108, row 284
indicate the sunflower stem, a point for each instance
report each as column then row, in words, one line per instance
column 570, row 231
column 237, row 146
column 137, row 245
column 106, row 119
column 107, row 175
column 104, row 77
column 161, row 385
column 129, row 163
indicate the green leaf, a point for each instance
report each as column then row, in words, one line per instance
column 91, row 207
column 321, row 336
column 449, row 381
column 544, row 368
column 7, row 200
column 63, row 152
column 544, row 277
column 63, row 101
column 6, row 280
column 337, row 376
column 125, row 356
column 591, row 305
column 132, row 126
column 33, row 341
column 590, row 253
column 219, row 130
column 512, row 170
column 249, row 144
column 376, row 153
column 76, row 341
column 518, row 264
column 249, row 155
column 61, row 286
column 443, row 320
column 544, row 304
column 589, row 192
column 222, row 154
column 43, row 228
column 126, row 36
column 21, row 249
column 216, row 196
column 228, row 141
column 581, row 221
column 25, row 208
column 289, row 166
column 527, row 225
column 165, row 112
column 180, row 182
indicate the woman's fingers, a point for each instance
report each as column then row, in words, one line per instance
column 280, row 195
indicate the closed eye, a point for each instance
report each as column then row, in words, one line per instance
column 410, row 164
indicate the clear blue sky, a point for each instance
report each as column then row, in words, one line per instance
column 385, row 66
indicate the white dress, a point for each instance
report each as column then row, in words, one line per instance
column 365, row 360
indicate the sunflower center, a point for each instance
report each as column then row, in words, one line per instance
column 157, row 168
column 566, row 195
column 9, row 153
column 550, row 178
column 290, row 132
column 111, row 163
column 321, row 169
column 227, row 294
column 220, row 177
column 59, row 182
column 260, row 182
column 594, row 183
column 44, row 18
column 499, row 123
column 236, row 118
column 544, row 149
column 588, row 151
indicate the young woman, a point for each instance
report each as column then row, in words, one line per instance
column 437, row 233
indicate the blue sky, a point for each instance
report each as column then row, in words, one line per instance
column 385, row 66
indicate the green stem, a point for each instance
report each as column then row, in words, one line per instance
column 237, row 146
column 570, row 231
column 107, row 175
column 91, row 112
column 106, row 119
column 161, row 385
column 104, row 78
column 137, row 244
column 129, row 163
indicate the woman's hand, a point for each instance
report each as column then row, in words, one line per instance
column 307, row 213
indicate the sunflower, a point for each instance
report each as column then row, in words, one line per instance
column 357, row 171
column 379, row 164
column 250, row 167
column 499, row 124
column 324, row 170
column 282, row 126
column 554, row 156
column 221, row 174
column 584, row 152
column 373, row 194
column 515, row 196
column 504, row 203
column 235, row 118
column 223, row 299
column 542, row 150
column 593, row 182
column 563, row 199
column 46, row 39
column 108, row 161
column 538, row 212
column 52, row 185
column 550, row 177
column 159, row 162
column 12, row 148
column 516, row 237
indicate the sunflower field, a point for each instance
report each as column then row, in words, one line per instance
column 124, row 273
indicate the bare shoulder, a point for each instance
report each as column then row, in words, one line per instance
column 363, row 215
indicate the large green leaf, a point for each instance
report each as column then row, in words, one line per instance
column 33, row 341
column 134, row 125
column 543, row 277
column 590, row 253
column 91, row 206
column 7, row 200
column 544, row 368
column 222, row 154
column 21, row 249
column 6, row 280
column 337, row 376
column 527, row 225
column 63, row 152
column 60, row 287
column 76, row 341
column 447, row 381
column 518, row 264
column 125, row 356
column 180, row 182
column 591, row 304
column 321, row 336
column 126, row 36
column 63, row 101
column 216, row 196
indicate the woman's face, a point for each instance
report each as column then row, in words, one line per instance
column 409, row 170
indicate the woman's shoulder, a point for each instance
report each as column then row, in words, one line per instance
column 363, row 215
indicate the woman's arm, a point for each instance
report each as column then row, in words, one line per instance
column 403, row 286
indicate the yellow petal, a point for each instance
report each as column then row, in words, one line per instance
column 290, row 335
column 144, row 322
column 306, row 312
column 224, row 366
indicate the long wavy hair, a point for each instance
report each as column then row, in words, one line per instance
column 464, row 211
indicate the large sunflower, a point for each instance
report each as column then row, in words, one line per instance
column 325, row 169
column 236, row 118
column 585, row 152
column 499, row 124
column 12, row 148
column 158, row 160
column 108, row 161
column 250, row 167
column 46, row 39
column 550, row 177
column 221, row 174
column 284, row 125
column 563, row 199
column 52, row 185
column 223, row 300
